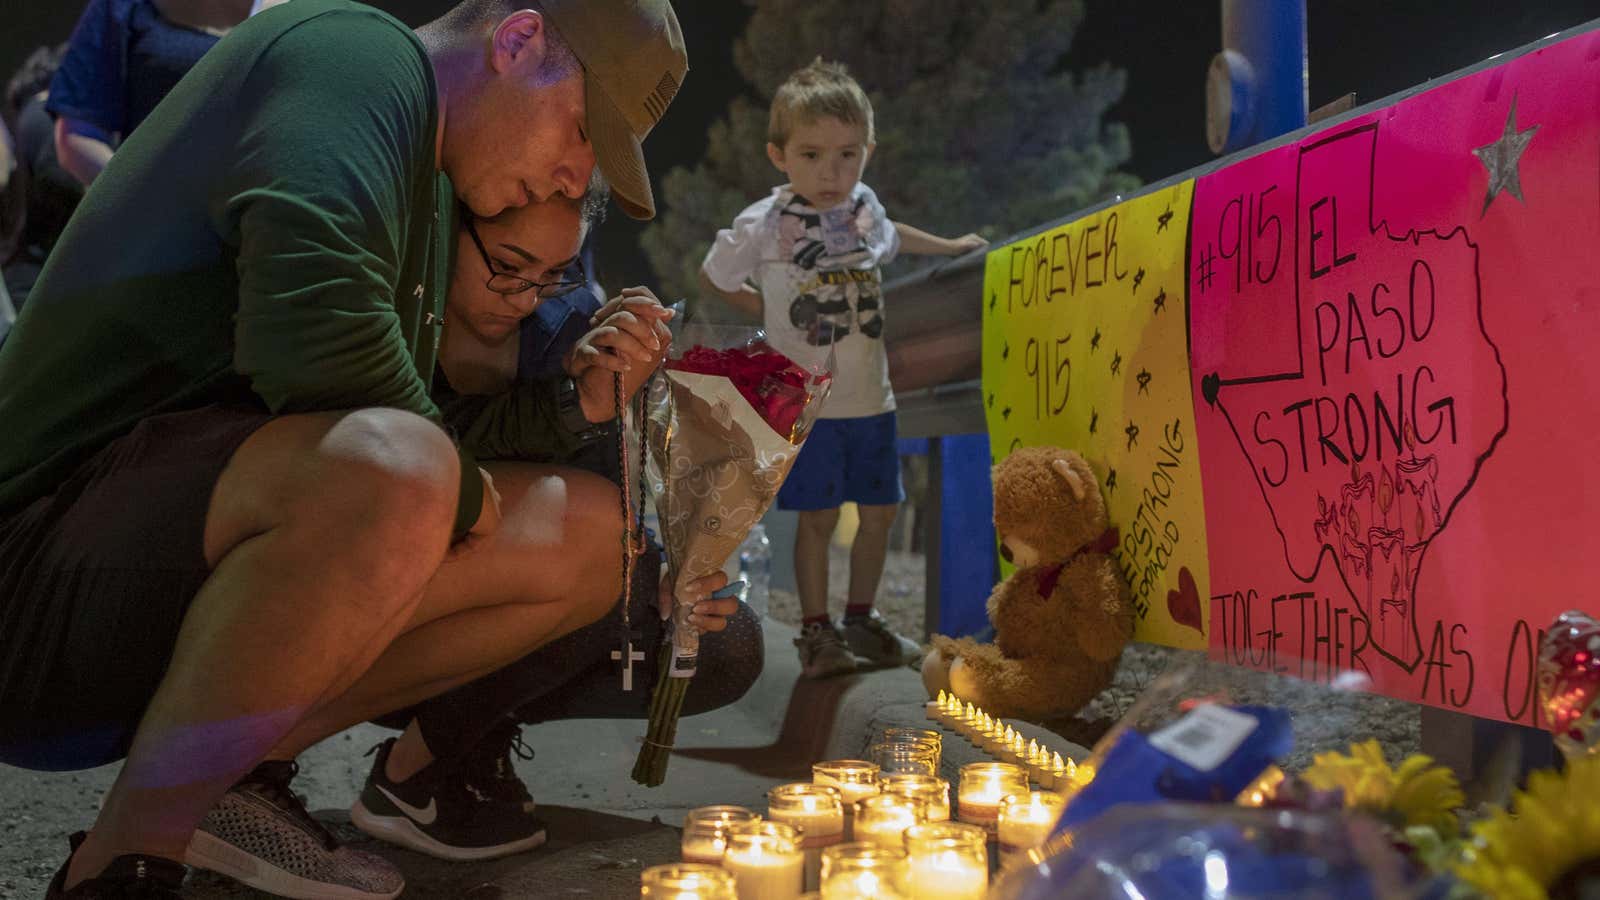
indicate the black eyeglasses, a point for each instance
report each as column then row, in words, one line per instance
column 570, row 279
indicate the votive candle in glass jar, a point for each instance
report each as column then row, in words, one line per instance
column 932, row 790
column 946, row 861
column 983, row 786
column 1025, row 822
column 764, row 865
column 918, row 758
column 911, row 735
column 815, row 809
column 883, row 819
column 863, row 871
column 686, row 881
column 704, row 830
column 855, row 778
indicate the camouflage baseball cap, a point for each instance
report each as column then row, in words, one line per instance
column 634, row 61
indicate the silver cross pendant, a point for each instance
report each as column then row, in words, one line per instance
column 625, row 658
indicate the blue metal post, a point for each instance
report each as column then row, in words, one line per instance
column 1256, row 89
column 967, row 565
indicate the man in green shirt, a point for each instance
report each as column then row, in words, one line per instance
column 229, row 521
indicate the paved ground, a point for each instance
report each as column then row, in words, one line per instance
column 604, row 828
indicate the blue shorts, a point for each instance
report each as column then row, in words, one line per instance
column 845, row 460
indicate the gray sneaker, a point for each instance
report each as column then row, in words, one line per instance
column 871, row 638
column 822, row 652
column 261, row 835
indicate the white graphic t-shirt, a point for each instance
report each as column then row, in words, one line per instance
column 821, row 287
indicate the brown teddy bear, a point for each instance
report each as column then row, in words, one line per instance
column 1063, row 617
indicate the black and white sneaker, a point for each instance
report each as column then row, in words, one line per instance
column 490, row 769
column 132, row 877
column 441, row 813
column 261, row 835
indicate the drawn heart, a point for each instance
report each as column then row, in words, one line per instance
column 1184, row 603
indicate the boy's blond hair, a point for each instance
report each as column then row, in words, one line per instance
column 820, row 90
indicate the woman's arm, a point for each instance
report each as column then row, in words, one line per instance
column 82, row 149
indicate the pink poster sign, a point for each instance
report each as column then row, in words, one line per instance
column 1395, row 353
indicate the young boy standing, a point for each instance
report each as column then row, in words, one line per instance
column 814, row 249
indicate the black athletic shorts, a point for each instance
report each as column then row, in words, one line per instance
column 94, row 582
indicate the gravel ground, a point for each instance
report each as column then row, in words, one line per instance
column 1324, row 719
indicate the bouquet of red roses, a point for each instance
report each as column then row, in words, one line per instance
column 724, row 421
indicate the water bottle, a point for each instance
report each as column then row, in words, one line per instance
column 755, row 568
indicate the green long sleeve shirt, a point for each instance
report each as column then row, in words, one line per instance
column 272, row 235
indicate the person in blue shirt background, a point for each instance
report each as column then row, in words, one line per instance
column 124, row 56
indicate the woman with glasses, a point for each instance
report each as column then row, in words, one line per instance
column 521, row 312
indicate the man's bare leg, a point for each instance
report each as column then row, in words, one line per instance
column 551, row 568
column 323, row 532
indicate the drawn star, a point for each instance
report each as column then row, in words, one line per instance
column 1132, row 431
column 1005, row 352
column 1163, row 219
column 993, row 299
column 1144, row 381
column 1116, row 364
column 1502, row 158
column 1137, row 278
column 1006, row 414
column 1094, row 421
column 1161, row 300
column 1111, row 481
column 991, row 401
column 1094, row 342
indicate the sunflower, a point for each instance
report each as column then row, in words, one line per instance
column 1546, row 844
column 1419, row 793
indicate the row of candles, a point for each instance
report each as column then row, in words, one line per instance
column 1003, row 742
column 864, row 829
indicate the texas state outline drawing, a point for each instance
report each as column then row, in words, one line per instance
column 1378, row 395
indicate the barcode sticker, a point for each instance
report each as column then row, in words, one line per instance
column 1206, row 736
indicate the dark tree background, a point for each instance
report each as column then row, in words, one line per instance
column 981, row 123
column 1370, row 47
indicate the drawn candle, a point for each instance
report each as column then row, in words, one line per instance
column 883, row 819
column 983, row 786
column 947, row 861
column 930, row 789
column 705, row 830
column 765, row 866
column 1025, row 821
column 817, row 811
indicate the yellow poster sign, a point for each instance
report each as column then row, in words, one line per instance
column 1085, row 347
